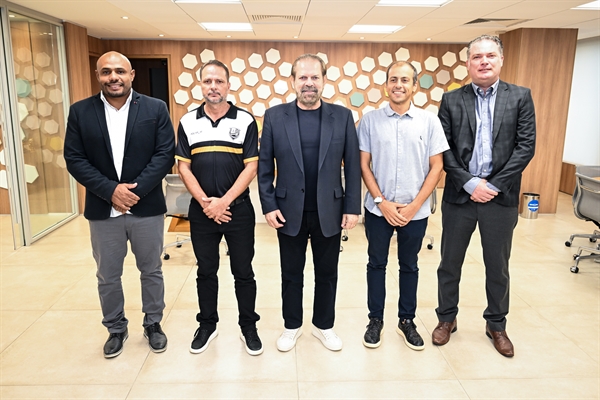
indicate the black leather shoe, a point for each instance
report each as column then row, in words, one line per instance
column 157, row 340
column 114, row 345
column 202, row 339
column 372, row 337
column 408, row 330
column 252, row 341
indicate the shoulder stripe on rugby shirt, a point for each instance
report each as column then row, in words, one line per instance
column 216, row 149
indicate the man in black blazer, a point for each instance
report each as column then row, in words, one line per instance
column 119, row 145
column 309, row 140
column 490, row 127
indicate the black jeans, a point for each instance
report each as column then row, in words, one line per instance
column 292, row 253
column 239, row 235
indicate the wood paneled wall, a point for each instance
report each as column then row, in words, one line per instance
column 567, row 178
column 543, row 60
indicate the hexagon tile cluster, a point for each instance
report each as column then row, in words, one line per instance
column 261, row 81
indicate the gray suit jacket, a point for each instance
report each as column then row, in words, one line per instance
column 513, row 140
column 280, row 140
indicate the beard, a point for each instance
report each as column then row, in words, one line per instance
column 215, row 100
column 309, row 96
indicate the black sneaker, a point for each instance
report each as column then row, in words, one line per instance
column 157, row 340
column 408, row 330
column 252, row 342
column 114, row 344
column 202, row 339
column 372, row 338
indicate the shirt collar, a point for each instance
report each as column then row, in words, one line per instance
column 111, row 106
column 390, row 113
column 231, row 113
column 494, row 87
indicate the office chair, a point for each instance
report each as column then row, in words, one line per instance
column 586, row 206
column 178, row 203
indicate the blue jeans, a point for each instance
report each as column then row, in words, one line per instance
column 410, row 239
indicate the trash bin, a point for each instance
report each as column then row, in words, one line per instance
column 531, row 204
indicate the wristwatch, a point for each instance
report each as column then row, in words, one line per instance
column 378, row 200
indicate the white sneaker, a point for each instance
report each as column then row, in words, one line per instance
column 288, row 338
column 328, row 338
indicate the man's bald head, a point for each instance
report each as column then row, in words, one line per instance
column 115, row 75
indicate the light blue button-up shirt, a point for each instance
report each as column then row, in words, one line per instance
column 481, row 165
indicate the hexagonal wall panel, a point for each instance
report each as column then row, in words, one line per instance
column 28, row 103
column 432, row 108
column 50, row 127
column 290, row 98
column 263, row 92
column 285, row 69
column 189, row 61
column 23, row 112
column 44, row 109
column 258, row 109
column 323, row 57
column 417, row 65
column 345, row 86
column 207, row 55
column 363, row 82
column 328, row 91
column 24, row 54
column 460, row 72
column 231, row 99
column 383, row 104
column 402, row 54
column 355, row 115
column 463, row 54
column 47, row 156
column 268, row 74
column 60, row 161
column 281, row 87
column 449, row 59
column 255, row 60
column 275, row 101
column 443, row 77
column 23, row 88
column 420, row 99
column 426, row 81
column 357, row 99
column 379, row 77
column 341, row 102
column 197, row 93
column 49, row 78
column 385, row 59
column 185, row 79
column 31, row 73
column 234, row 83
column 333, row 74
column 181, row 97
column 238, row 65
column 31, row 173
column 39, row 92
column 350, row 68
column 367, row 64
column 367, row 109
column 251, row 78
column 55, row 96
column 453, row 86
column 246, row 96
column 193, row 106
column 436, row 94
column 432, row 63
column 42, row 59
column 273, row 56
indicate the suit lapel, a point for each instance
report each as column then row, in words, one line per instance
column 469, row 100
column 101, row 115
column 327, row 124
column 134, row 107
column 499, row 107
column 293, row 132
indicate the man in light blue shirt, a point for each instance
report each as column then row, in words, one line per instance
column 401, row 150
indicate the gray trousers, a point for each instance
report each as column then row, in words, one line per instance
column 496, row 226
column 109, row 244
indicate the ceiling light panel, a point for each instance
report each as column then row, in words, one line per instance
column 375, row 29
column 413, row 3
column 226, row 26
column 594, row 5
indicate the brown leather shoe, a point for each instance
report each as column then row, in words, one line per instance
column 501, row 341
column 441, row 333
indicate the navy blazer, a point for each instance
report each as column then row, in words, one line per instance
column 280, row 141
column 148, row 157
column 513, row 140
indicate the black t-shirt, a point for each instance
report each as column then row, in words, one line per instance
column 309, row 123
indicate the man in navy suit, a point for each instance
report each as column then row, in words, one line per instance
column 310, row 140
column 490, row 127
column 119, row 145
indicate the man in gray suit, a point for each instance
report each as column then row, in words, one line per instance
column 490, row 127
column 310, row 139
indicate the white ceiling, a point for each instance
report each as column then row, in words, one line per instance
column 321, row 20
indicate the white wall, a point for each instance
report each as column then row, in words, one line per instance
column 582, row 141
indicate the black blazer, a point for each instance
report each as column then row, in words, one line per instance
column 280, row 140
column 148, row 157
column 513, row 140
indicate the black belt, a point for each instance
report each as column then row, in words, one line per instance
column 238, row 201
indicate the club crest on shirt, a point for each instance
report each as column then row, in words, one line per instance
column 234, row 133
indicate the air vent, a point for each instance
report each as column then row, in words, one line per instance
column 497, row 22
column 276, row 19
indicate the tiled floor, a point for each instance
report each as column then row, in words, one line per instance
column 51, row 335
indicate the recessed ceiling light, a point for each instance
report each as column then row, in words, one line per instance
column 594, row 5
column 11, row 15
column 413, row 3
column 226, row 26
column 161, row 35
column 228, row 36
column 209, row 1
column 125, row 17
column 375, row 29
column 362, row 38
column 428, row 38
